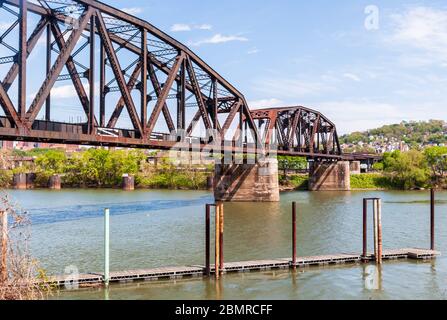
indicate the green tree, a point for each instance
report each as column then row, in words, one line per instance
column 407, row 170
column 437, row 160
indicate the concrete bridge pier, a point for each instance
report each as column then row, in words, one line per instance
column 55, row 182
column 128, row 182
column 19, row 181
column 330, row 176
column 247, row 182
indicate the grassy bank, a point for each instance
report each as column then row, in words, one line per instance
column 372, row 181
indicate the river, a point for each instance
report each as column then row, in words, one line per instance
column 166, row 228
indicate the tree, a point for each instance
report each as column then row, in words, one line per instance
column 437, row 160
column 407, row 170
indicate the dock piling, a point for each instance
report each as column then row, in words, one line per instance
column 221, row 236
column 294, row 235
column 106, row 246
column 207, row 240
column 379, row 232
column 4, row 261
column 217, row 243
column 432, row 219
column 365, row 228
column 377, row 229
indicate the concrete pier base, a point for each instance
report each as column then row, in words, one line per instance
column 329, row 176
column 354, row 167
column 30, row 179
column 19, row 181
column 247, row 182
column 210, row 182
column 128, row 182
column 55, row 182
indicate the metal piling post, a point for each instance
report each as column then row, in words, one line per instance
column 221, row 237
column 207, row 240
column 106, row 246
column 217, row 243
column 365, row 228
column 294, row 235
column 432, row 219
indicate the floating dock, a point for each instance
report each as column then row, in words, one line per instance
column 166, row 273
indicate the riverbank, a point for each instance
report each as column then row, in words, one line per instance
column 359, row 182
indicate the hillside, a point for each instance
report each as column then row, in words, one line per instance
column 403, row 136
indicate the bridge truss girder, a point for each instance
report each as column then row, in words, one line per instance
column 159, row 82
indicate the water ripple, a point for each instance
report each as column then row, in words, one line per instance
column 78, row 212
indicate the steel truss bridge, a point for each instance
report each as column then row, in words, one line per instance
column 135, row 86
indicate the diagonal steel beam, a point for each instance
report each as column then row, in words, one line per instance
column 61, row 60
column 158, row 90
column 193, row 123
column 120, row 105
column 32, row 41
column 296, row 119
column 234, row 110
column 113, row 59
column 72, row 70
column 198, row 93
column 164, row 93
column 8, row 107
column 315, row 128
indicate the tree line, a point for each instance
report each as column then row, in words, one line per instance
column 103, row 168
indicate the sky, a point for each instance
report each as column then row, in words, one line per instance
column 361, row 63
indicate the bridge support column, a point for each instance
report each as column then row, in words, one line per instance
column 128, row 182
column 247, row 182
column 355, row 167
column 19, row 181
column 55, row 182
column 330, row 176
column 30, row 179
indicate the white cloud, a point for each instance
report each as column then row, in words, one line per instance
column 204, row 27
column 133, row 10
column 423, row 29
column 219, row 38
column 351, row 76
column 253, row 51
column 265, row 103
column 181, row 27
column 67, row 91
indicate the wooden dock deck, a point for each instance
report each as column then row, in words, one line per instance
column 89, row 279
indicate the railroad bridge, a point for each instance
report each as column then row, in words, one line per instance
column 134, row 86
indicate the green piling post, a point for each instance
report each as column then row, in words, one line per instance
column 106, row 246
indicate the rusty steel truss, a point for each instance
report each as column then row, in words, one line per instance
column 298, row 131
column 121, row 67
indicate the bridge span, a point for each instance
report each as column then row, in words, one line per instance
column 135, row 86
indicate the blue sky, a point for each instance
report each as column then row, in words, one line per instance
column 319, row 53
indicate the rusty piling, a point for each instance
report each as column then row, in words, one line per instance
column 207, row 240
column 217, row 243
column 365, row 228
column 294, row 235
column 379, row 232
column 221, row 236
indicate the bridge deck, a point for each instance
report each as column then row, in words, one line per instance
column 246, row 266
